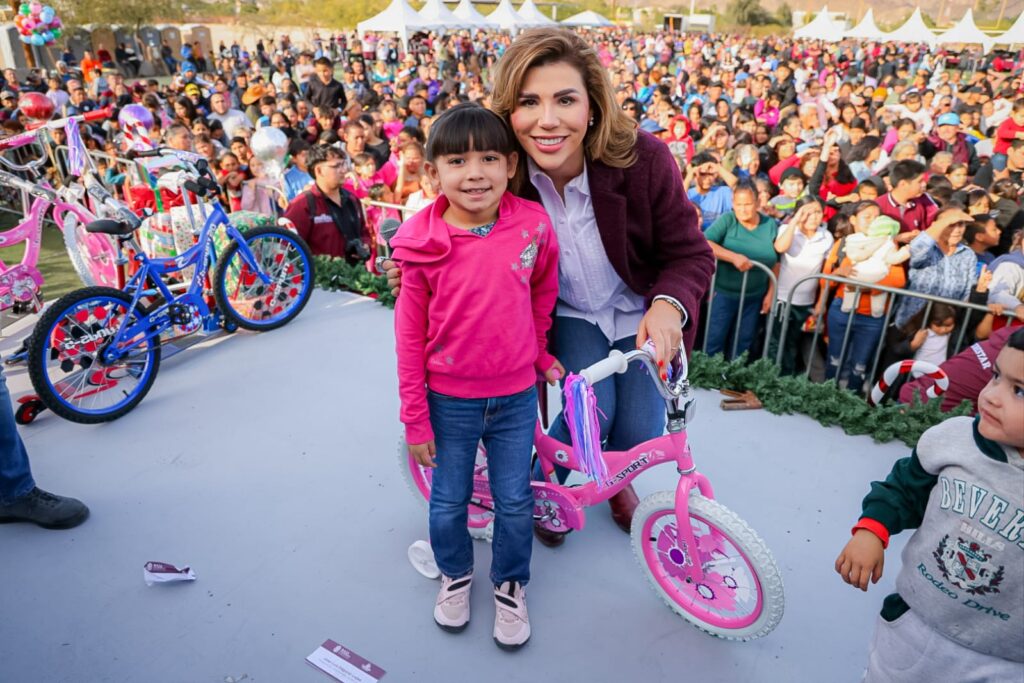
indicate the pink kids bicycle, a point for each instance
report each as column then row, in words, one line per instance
column 705, row 562
column 92, row 256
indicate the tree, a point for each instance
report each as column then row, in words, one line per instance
column 134, row 13
column 748, row 13
column 784, row 15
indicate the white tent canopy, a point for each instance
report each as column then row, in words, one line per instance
column 588, row 18
column 469, row 15
column 867, row 29
column 1013, row 35
column 529, row 11
column 965, row 31
column 912, row 31
column 822, row 27
column 400, row 18
column 506, row 17
column 436, row 12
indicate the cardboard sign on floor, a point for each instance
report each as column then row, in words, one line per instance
column 343, row 665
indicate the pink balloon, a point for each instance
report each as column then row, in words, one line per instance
column 56, row 22
column 35, row 7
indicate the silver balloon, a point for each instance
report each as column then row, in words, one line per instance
column 269, row 144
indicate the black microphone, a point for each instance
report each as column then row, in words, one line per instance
column 388, row 228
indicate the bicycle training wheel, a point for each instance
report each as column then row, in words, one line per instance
column 242, row 295
column 65, row 364
column 741, row 597
column 93, row 255
column 418, row 478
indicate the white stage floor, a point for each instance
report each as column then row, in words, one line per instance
column 268, row 464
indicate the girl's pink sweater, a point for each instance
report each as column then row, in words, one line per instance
column 473, row 313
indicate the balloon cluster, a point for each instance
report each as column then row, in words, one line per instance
column 38, row 24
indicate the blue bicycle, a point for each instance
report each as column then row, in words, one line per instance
column 94, row 354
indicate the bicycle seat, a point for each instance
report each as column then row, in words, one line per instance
column 110, row 227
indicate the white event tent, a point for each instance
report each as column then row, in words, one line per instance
column 400, row 18
column 867, row 29
column 529, row 11
column 966, row 32
column 1013, row 35
column 912, row 31
column 469, row 15
column 587, row 18
column 436, row 12
column 822, row 27
column 506, row 17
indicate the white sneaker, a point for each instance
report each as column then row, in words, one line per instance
column 452, row 609
column 511, row 622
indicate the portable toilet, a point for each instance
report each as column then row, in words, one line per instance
column 194, row 33
column 124, row 34
column 172, row 36
column 79, row 41
column 149, row 42
column 103, row 36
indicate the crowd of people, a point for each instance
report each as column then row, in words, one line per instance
column 794, row 154
column 570, row 159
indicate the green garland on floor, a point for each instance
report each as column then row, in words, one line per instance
column 824, row 402
column 334, row 273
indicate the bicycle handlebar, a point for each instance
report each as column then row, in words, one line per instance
column 33, row 189
column 617, row 362
column 96, row 115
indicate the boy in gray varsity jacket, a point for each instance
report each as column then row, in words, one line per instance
column 959, row 612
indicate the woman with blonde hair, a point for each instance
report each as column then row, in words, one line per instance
column 634, row 264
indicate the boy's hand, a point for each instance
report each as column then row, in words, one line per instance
column 424, row 453
column 861, row 559
column 554, row 373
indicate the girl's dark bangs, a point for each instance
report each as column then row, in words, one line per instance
column 468, row 129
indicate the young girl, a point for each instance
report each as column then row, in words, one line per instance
column 480, row 279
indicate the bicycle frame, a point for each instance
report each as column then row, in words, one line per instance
column 201, row 255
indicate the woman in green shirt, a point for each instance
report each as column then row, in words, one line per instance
column 738, row 238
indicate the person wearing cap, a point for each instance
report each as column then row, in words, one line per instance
column 949, row 138
column 940, row 263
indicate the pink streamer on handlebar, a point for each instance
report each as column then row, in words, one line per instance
column 580, row 413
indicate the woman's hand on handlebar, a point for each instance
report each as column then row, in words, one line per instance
column 394, row 274
column 663, row 325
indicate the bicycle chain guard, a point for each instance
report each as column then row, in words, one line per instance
column 554, row 510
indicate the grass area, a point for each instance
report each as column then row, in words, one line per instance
column 54, row 263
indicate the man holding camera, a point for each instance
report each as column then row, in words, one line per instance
column 327, row 215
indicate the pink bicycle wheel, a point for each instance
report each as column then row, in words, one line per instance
column 93, row 255
column 481, row 517
column 741, row 595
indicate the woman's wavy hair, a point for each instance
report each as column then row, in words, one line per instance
column 612, row 138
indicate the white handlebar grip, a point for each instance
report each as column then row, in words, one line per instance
column 615, row 362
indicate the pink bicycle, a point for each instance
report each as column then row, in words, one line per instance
column 705, row 562
column 92, row 256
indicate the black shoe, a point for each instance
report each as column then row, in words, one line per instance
column 45, row 509
column 551, row 539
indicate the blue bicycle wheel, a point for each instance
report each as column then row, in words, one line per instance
column 275, row 291
column 67, row 362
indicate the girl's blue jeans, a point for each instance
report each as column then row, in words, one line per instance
column 505, row 425
column 15, row 474
column 860, row 348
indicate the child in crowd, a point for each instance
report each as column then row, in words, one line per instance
column 792, row 185
column 956, row 615
column 471, row 337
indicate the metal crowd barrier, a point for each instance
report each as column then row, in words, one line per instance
column 859, row 288
column 739, row 314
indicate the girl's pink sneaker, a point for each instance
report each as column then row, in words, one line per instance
column 511, row 621
column 452, row 609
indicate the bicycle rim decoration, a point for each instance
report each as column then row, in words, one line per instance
column 254, row 302
column 79, row 381
column 93, row 255
column 729, row 596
